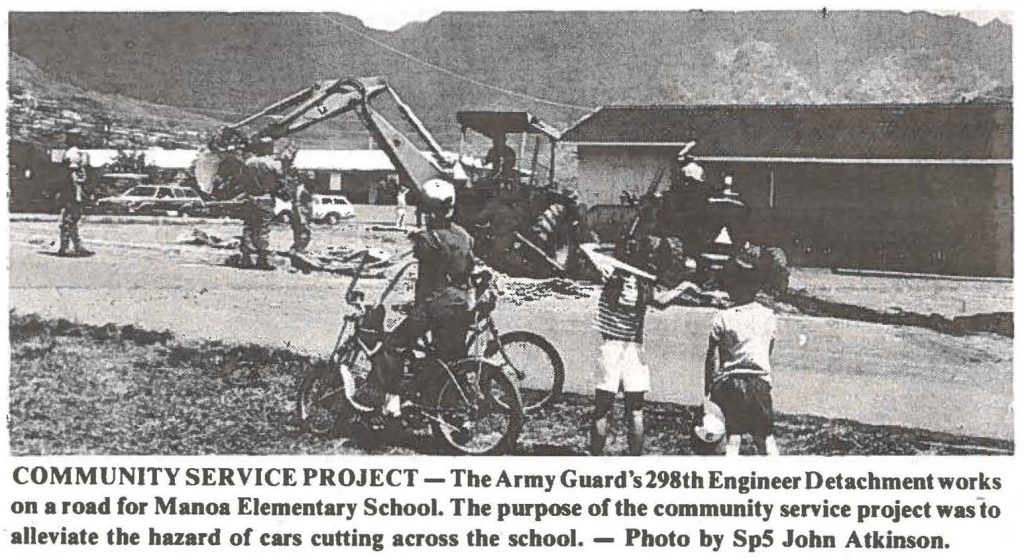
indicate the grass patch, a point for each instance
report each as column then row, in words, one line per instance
column 79, row 389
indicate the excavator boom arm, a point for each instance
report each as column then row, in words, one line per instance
column 328, row 99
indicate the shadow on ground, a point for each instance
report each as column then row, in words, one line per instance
column 797, row 301
column 80, row 389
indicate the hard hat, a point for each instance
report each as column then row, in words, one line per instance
column 693, row 171
column 438, row 196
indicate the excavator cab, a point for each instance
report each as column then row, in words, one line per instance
column 523, row 223
column 513, row 157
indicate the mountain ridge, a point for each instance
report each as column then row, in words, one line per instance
column 229, row 65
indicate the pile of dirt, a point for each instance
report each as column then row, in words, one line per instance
column 342, row 260
column 517, row 290
column 797, row 301
column 79, row 389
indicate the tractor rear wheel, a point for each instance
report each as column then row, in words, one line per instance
column 670, row 261
column 775, row 267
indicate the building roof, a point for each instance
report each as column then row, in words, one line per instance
column 496, row 123
column 916, row 131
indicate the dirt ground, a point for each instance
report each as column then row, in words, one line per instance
column 873, row 372
column 121, row 390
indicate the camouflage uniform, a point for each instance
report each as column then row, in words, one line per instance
column 259, row 180
column 302, row 215
column 256, row 213
column 72, row 199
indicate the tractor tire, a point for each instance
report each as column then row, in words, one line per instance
column 547, row 224
column 775, row 269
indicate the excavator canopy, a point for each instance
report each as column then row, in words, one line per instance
column 496, row 123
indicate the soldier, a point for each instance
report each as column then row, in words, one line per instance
column 302, row 215
column 72, row 198
column 300, row 195
column 502, row 159
column 259, row 179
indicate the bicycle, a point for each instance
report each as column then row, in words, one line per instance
column 473, row 405
column 527, row 355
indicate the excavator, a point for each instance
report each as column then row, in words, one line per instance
column 535, row 248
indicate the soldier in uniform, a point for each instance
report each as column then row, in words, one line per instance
column 302, row 215
column 72, row 198
column 259, row 179
column 294, row 188
column 502, row 160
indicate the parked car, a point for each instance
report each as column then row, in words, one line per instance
column 153, row 200
column 327, row 208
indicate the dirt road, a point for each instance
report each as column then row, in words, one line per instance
column 868, row 372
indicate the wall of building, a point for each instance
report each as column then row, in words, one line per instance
column 354, row 185
column 604, row 173
column 949, row 219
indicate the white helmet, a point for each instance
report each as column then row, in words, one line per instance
column 438, row 196
column 693, row 171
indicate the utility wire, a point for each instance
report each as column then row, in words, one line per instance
column 453, row 74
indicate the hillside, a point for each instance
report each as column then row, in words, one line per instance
column 236, row 63
column 42, row 108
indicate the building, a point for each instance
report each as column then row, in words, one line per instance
column 166, row 159
column 925, row 187
column 358, row 174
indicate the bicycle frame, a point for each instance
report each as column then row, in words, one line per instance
column 357, row 319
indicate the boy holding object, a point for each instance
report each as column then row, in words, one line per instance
column 622, row 307
column 737, row 367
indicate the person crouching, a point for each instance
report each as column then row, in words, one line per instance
column 737, row 370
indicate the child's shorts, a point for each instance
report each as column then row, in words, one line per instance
column 746, row 402
column 621, row 364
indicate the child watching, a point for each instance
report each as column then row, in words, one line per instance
column 622, row 308
column 737, row 370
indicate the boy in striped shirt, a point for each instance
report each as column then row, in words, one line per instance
column 621, row 311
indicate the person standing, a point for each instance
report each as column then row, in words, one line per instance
column 302, row 215
column 401, row 206
column 72, row 198
column 259, row 178
column 293, row 186
column 622, row 309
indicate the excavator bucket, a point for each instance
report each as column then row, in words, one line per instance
column 205, row 169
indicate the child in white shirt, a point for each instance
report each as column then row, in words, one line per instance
column 738, row 368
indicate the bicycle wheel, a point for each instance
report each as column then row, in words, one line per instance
column 320, row 402
column 535, row 363
column 478, row 410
